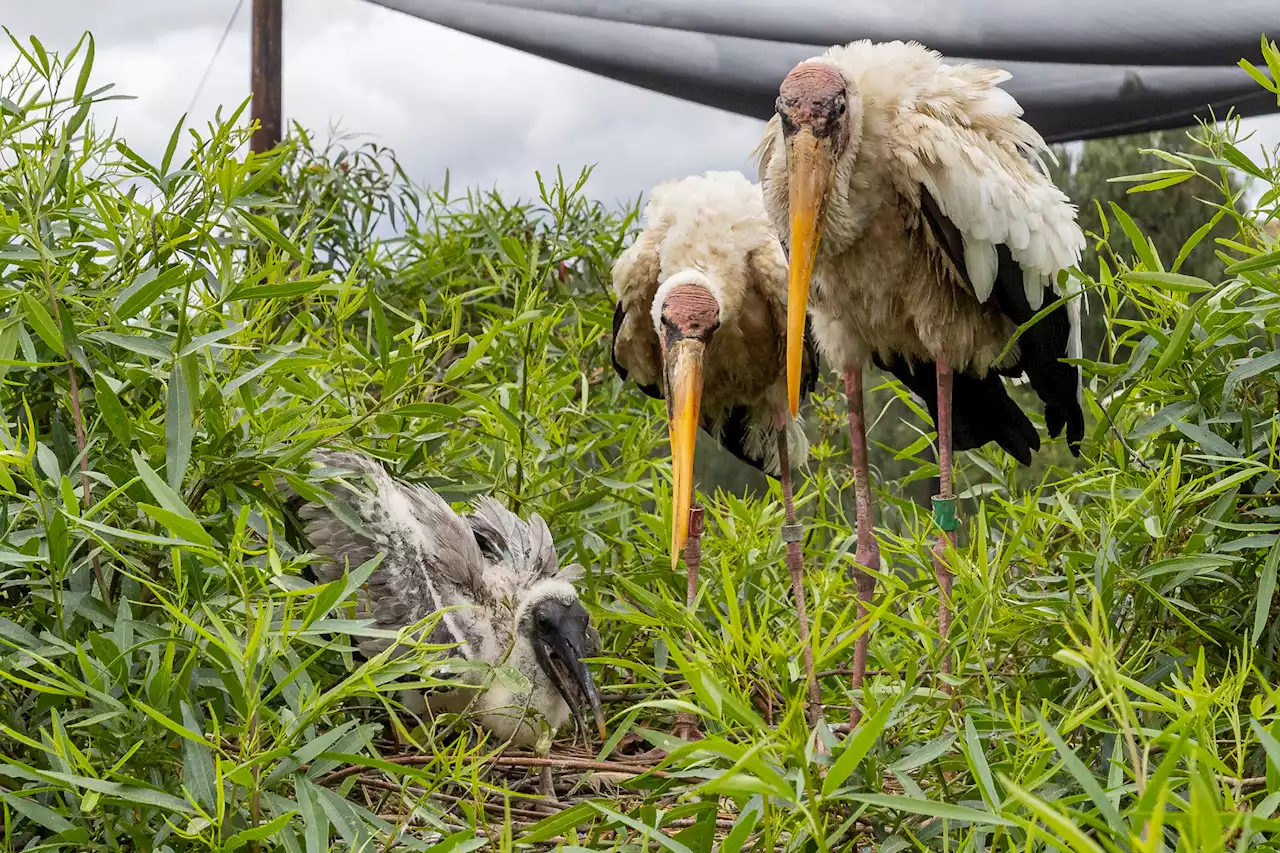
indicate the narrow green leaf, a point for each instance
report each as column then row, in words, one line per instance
column 265, row 172
column 1257, row 262
column 141, row 344
column 929, row 808
column 1087, row 781
column 1177, row 341
column 199, row 772
column 135, row 794
column 38, row 316
column 172, row 147
column 145, row 290
column 42, row 54
column 1237, row 158
column 48, row 461
column 1248, row 369
column 1266, row 591
column 209, row 339
column 178, row 429
column 379, row 326
column 36, row 813
column 132, row 535
column 8, row 345
column 463, row 365
column 655, row 835
column 1195, row 239
column 113, row 413
column 931, row 751
column 443, row 411
column 280, row 289
column 737, row 836
column 1169, row 281
column 165, row 496
column 978, row 763
column 315, row 823
column 1141, row 246
column 464, row 841
column 263, row 229
column 172, row 725
column 180, row 525
column 1262, row 80
column 1062, row 826
column 557, row 824
column 855, row 749
column 258, row 833
column 1211, row 443
column 250, row 375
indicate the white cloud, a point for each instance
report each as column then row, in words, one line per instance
column 442, row 100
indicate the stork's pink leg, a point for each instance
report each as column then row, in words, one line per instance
column 944, row 511
column 686, row 727
column 792, row 535
column 868, row 553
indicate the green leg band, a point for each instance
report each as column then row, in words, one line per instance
column 944, row 514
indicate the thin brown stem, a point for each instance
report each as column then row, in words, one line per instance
column 77, row 418
column 506, row 761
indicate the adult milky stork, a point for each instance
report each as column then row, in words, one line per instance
column 918, row 211
column 700, row 321
column 517, row 605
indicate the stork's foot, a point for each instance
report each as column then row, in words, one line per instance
column 687, row 728
column 547, row 786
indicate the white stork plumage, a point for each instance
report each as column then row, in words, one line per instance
column 701, row 321
column 517, row 605
column 920, row 219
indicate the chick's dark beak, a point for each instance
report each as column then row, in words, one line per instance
column 560, row 645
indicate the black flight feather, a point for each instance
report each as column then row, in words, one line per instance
column 981, row 409
column 618, row 316
column 1041, row 350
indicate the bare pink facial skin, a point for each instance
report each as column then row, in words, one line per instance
column 691, row 311
column 813, row 96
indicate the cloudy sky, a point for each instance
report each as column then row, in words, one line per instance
column 441, row 99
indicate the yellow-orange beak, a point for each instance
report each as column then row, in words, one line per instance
column 684, row 400
column 809, row 166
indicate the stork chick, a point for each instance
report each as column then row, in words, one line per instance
column 925, row 235
column 519, row 607
column 700, row 320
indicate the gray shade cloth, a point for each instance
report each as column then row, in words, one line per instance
column 1107, row 32
column 1064, row 101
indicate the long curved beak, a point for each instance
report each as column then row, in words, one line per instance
column 809, row 165
column 588, row 687
column 684, row 402
column 568, row 661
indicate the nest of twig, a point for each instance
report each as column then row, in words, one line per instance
column 507, row 793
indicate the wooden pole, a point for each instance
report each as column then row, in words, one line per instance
column 268, row 16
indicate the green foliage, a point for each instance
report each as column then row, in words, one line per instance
column 177, row 334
